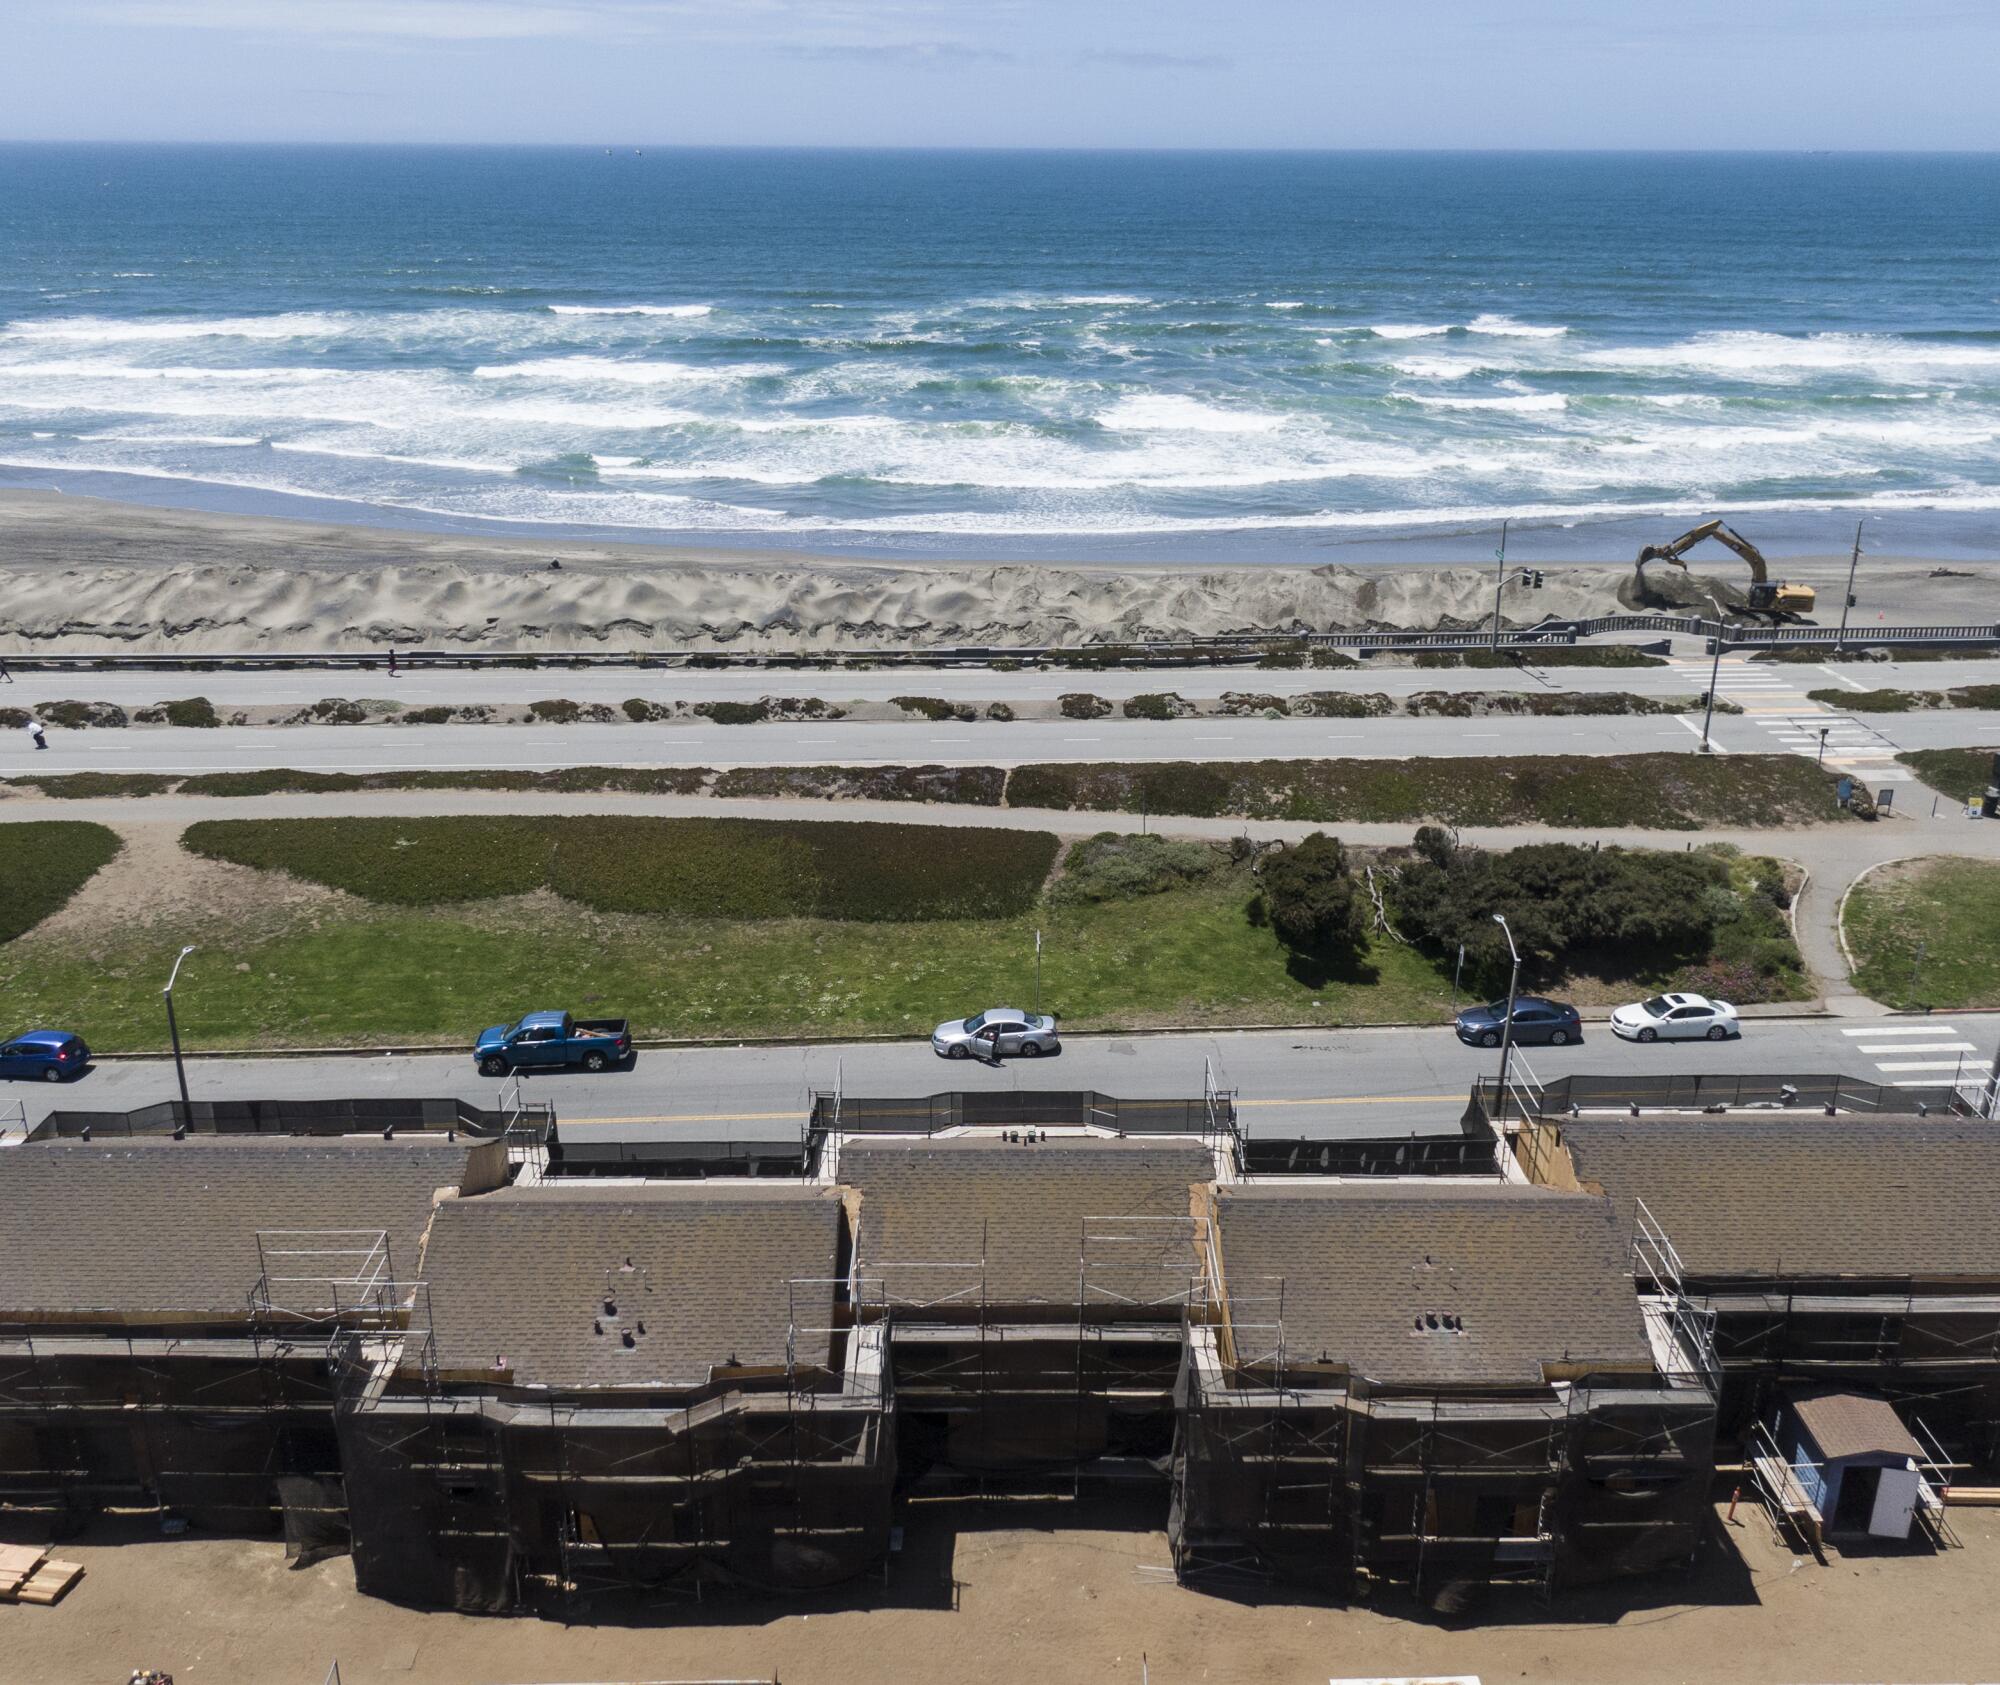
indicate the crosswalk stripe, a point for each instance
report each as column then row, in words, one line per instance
column 1911, row 1030
column 1918, row 1047
column 1920, row 1065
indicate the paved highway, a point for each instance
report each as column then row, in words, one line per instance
column 895, row 743
column 1321, row 1084
column 514, row 687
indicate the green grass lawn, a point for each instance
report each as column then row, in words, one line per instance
column 1950, row 906
column 1962, row 774
column 42, row 864
column 1137, row 933
column 383, row 975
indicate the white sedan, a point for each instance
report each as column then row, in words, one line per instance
column 1677, row 1018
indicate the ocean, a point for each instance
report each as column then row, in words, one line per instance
column 1016, row 355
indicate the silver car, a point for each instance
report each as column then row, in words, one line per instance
column 994, row 1034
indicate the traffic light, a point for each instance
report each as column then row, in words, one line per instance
column 1538, row 579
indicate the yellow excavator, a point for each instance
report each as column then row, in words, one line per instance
column 1783, row 597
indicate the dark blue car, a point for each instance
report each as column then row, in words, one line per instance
column 1536, row 1021
column 44, row 1056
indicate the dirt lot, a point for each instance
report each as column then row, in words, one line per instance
column 1019, row 1594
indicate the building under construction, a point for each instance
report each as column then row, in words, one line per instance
column 521, row 1370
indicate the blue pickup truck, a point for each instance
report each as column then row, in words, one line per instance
column 44, row 1056
column 551, row 1041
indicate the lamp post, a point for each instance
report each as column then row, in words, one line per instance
column 174, row 1033
column 1499, row 581
column 1847, row 602
column 1507, row 1029
column 1714, row 677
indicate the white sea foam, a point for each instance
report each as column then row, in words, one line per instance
column 1435, row 368
column 1527, row 402
column 1105, row 298
column 1172, row 412
column 115, row 330
column 1746, row 355
column 625, row 373
column 217, row 440
column 683, row 310
column 1505, row 327
column 1406, row 330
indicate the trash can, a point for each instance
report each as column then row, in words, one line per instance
column 1989, row 807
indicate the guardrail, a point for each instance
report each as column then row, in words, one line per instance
column 1692, row 1092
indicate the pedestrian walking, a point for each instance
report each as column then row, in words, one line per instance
column 6, row 672
column 392, row 661
column 36, row 734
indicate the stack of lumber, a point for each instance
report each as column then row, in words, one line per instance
column 29, row 1575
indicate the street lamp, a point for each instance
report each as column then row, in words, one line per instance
column 1507, row 1029
column 174, row 1033
column 1714, row 676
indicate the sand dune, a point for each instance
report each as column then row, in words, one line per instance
column 80, row 573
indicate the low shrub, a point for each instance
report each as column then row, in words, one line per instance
column 89, row 786
column 1665, row 790
column 695, row 868
column 195, row 711
column 560, row 710
column 1118, row 866
column 734, row 713
column 641, row 712
column 75, row 716
column 426, row 716
column 1081, row 705
column 1157, row 705
column 1962, row 774
column 43, row 862
column 1096, row 655
column 13, row 719
column 935, row 708
column 973, row 786
column 1554, row 655
column 1253, row 702
column 1343, row 705
column 999, row 711
column 1903, row 701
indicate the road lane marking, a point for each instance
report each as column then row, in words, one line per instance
column 1841, row 678
column 1917, row 1047
column 1714, row 747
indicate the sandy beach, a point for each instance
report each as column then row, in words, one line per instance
column 80, row 573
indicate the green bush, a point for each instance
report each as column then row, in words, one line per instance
column 1311, row 900
column 426, row 716
column 1254, row 702
column 1117, row 866
column 559, row 710
column 188, row 711
column 90, row 786
column 734, row 713
column 1554, row 655
column 935, row 708
column 694, row 868
column 43, row 862
column 641, row 712
column 1343, row 705
column 1903, row 701
column 974, row 786
column 1671, row 791
column 1962, row 774
column 999, row 711
column 77, row 715
column 1081, row 705
column 1156, row 705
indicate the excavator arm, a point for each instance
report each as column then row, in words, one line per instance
column 1783, row 599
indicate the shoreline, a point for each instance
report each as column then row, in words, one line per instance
column 91, row 574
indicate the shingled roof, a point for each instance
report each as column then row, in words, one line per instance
column 697, row 1272
column 1023, row 1209
column 1422, row 1285
column 148, row 1225
column 1789, row 1197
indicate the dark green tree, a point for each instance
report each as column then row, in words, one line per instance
column 1314, row 904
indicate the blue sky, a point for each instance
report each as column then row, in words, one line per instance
column 1859, row 74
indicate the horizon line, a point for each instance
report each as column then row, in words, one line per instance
column 912, row 147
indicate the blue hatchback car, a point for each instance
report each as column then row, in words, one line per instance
column 44, row 1056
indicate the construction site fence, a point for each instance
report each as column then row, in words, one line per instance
column 1025, row 1109
column 1694, row 1091
column 1224, row 649
column 669, row 1156
column 294, row 1117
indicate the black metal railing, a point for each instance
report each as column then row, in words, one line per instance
column 1693, row 1091
column 1021, row 1109
column 288, row 1117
